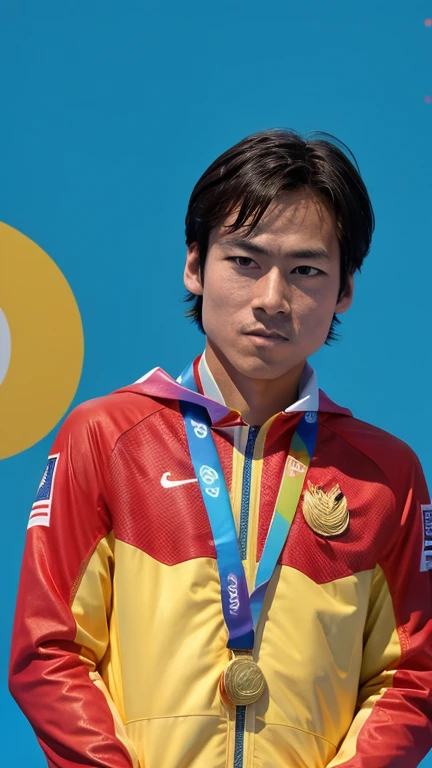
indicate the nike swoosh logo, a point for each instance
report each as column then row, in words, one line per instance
column 165, row 483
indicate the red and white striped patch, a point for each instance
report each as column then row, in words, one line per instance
column 41, row 510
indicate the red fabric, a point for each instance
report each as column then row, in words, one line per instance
column 70, row 715
column 113, row 453
column 366, row 488
column 327, row 405
column 198, row 381
column 174, row 526
column 399, row 731
column 371, row 513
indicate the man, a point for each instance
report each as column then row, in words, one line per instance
column 230, row 570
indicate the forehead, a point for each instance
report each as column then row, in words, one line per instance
column 293, row 217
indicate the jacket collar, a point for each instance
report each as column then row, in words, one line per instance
column 157, row 383
column 311, row 398
column 308, row 388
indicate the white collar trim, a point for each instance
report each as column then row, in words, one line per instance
column 208, row 381
column 308, row 388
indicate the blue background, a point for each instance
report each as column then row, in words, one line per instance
column 109, row 114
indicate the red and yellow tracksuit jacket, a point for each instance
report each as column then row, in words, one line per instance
column 119, row 639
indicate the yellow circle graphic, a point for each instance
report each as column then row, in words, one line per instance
column 43, row 346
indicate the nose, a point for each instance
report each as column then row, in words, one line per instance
column 271, row 293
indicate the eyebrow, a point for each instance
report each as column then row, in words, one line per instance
column 298, row 253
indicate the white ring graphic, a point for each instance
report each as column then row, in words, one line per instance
column 5, row 345
column 208, row 474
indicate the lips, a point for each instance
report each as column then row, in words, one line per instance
column 267, row 334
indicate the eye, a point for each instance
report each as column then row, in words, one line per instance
column 242, row 261
column 307, row 271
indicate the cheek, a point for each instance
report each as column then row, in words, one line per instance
column 313, row 312
column 221, row 292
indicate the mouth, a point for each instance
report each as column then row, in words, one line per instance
column 262, row 336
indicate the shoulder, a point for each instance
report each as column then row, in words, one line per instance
column 368, row 437
column 394, row 457
column 103, row 420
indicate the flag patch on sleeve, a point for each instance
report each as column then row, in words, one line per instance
column 41, row 509
column 426, row 558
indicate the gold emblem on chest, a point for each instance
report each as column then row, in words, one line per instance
column 326, row 513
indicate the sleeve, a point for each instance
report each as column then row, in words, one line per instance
column 392, row 727
column 61, row 631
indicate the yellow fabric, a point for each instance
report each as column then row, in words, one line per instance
column 236, row 484
column 119, row 728
column 97, row 635
column 165, row 643
column 380, row 653
column 236, row 495
column 257, row 467
column 154, row 640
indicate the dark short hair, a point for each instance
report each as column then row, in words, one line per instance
column 249, row 175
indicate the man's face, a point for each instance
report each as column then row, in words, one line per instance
column 269, row 299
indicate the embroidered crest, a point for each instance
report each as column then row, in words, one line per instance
column 326, row 513
column 294, row 467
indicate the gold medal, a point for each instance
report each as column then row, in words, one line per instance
column 326, row 513
column 242, row 681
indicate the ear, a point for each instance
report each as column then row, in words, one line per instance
column 346, row 299
column 192, row 273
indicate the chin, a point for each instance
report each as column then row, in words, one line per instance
column 258, row 367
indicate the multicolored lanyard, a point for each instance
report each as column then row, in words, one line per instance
column 241, row 610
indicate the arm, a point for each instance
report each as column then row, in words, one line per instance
column 61, row 630
column 393, row 724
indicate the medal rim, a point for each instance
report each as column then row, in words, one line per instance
column 229, row 692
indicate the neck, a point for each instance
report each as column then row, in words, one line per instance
column 256, row 399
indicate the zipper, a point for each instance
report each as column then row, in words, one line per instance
column 243, row 534
column 246, row 489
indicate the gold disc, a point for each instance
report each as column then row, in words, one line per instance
column 326, row 513
column 242, row 681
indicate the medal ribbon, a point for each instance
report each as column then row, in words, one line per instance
column 241, row 611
